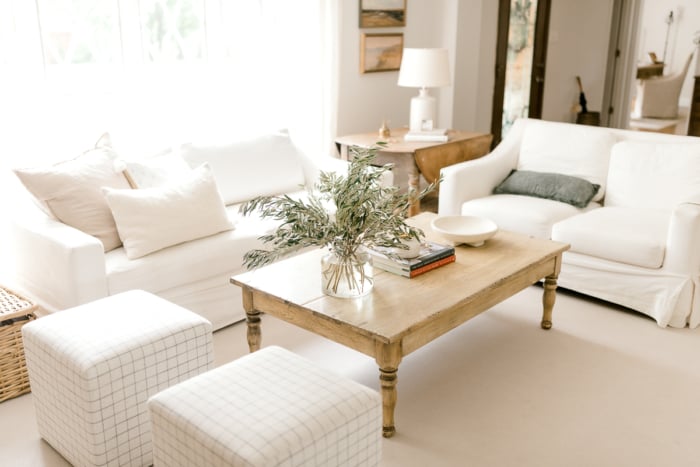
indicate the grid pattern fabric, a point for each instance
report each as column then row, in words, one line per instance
column 92, row 369
column 269, row 408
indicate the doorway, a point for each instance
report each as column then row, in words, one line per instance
column 521, row 53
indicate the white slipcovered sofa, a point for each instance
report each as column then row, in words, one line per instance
column 183, row 237
column 636, row 243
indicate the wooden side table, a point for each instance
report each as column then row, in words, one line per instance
column 420, row 157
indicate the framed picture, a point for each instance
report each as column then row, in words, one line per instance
column 380, row 52
column 382, row 13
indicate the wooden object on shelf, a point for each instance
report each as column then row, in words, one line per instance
column 694, row 116
column 15, row 312
column 420, row 157
column 650, row 71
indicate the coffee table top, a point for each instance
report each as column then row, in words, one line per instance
column 399, row 308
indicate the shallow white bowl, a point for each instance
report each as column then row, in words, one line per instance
column 471, row 230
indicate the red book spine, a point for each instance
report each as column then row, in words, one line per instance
column 433, row 265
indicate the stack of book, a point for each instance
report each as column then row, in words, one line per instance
column 438, row 135
column 432, row 255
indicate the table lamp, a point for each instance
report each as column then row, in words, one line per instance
column 424, row 68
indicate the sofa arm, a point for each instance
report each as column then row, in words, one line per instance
column 478, row 177
column 55, row 264
column 682, row 247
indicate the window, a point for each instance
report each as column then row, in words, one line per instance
column 155, row 70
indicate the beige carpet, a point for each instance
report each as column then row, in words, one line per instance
column 604, row 387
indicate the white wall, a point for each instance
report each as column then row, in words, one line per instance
column 653, row 29
column 579, row 36
column 467, row 28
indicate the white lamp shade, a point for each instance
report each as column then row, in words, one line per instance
column 424, row 68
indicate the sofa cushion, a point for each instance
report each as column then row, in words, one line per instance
column 151, row 219
column 71, row 192
column 524, row 214
column 267, row 165
column 577, row 150
column 625, row 235
column 215, row 256
column 558, row 187
column 653, row 175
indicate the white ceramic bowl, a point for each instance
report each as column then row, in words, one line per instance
column 471, row 230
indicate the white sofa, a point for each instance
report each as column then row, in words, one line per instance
column 636, row 243
column 61, row 266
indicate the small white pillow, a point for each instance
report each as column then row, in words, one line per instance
column 151, row 219
column 71, row 192
column 157, row 170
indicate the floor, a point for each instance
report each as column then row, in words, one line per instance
column 604, row 387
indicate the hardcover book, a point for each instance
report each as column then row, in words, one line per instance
column 431, row 253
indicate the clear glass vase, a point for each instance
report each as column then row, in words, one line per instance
column 346, row 276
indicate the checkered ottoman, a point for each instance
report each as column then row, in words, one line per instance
column 268, row 408
column 93, row 367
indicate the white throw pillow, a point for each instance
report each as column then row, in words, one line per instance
column 151, row 219
column 653, row 175
column 71, row 192
column 157, row 170
column 268, row 165
column 577, row 150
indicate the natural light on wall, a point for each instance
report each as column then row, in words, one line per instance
column 154, row 73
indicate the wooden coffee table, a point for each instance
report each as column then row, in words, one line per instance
column 401, row 315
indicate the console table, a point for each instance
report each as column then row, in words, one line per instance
column 419, row 157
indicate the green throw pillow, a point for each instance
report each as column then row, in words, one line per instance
column 559, row 187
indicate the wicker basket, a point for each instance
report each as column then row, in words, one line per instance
column 15, row 311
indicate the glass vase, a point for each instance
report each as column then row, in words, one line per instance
column 346, row 276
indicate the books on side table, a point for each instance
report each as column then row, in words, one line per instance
column 432, row 255
column 436, row 135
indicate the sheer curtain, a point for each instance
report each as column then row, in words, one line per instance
column 158, row 72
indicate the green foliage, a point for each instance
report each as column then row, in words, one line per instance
column 342, row 213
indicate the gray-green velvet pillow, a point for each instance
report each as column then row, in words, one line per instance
column 559, row 187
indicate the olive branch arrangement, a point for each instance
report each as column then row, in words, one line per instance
column 342, row 213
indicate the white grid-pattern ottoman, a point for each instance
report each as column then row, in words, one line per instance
column 92, row 369
column 268, row 408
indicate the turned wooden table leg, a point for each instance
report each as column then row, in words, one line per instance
column 548, row 298
column 388, row 359
column 414, row 185
column 252, row 321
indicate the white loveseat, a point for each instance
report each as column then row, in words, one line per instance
column 636, row 243
column 61, row 266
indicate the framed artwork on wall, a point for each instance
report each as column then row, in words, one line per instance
column 382, row 13
column 380, row 52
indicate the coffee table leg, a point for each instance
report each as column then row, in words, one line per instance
column 252, row 321
column 388, row 359
column 548, row 298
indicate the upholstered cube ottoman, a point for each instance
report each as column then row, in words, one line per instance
column 92, row 369
column 268, row 408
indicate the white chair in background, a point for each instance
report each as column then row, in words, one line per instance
column 657, row 97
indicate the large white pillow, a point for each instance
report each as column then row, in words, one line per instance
column 268, row 165
column 577, row 150
column 151, row 219
column 653, row 175
column 71, row 192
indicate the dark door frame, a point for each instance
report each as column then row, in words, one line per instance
column 539, row 61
